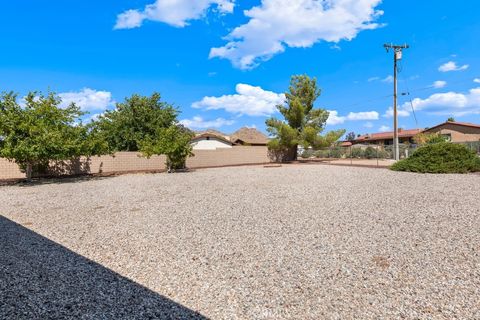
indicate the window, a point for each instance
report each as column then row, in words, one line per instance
column 447, row 136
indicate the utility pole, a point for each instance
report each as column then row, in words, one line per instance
column 397, row 55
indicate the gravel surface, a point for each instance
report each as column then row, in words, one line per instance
column 296, row 242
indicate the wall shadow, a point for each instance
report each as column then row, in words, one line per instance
column 40, row 279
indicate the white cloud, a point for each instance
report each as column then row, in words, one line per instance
column 276, row 24
column 384, row 129
column 439, row 84
column 249, row 100
column 388, row 79
column 368, row 124
column 449, row 103
column 176, row 13
column 373, row 79
column 452, row 66
column 88, row 99
column 476, row 80
column 401, row 111
column 200, row 123
column 334, row 118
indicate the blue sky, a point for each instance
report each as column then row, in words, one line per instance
column 225, row 63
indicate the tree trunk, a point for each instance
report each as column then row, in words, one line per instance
column 28, row 172
column 295, row 152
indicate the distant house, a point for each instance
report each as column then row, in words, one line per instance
column 386, row 138
column 249, row 137
column 457, row 131
column 211, row 140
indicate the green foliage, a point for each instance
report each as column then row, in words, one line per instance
column 451, row 119
column 306, row 154
column 429, row 138
column 148, row 125
column 370, row 153
column 303, row 124
column 134, row 120
column 41, row 131
column 174, row 142
column 357, row 153
column 440, row 158
column 350, row 136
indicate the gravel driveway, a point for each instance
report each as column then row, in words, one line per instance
column 296, row 242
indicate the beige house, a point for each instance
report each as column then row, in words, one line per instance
column 457, row 131
column 213, row 139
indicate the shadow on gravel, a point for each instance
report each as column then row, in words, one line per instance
column 40, row 279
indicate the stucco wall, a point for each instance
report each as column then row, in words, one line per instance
column 133, row 162
column 210, row 144
column 458, row 133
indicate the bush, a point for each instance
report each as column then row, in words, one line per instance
column 357, row 153
column 370, row 153
column 321, row 153
column 307, row 154
column 440, row 158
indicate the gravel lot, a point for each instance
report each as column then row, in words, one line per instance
column 296, row 242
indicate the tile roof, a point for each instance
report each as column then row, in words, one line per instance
column 249, row 136
column 388, row 135
column 464, row 124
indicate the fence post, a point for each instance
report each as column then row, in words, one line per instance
column 377, row 155
column 351, row 156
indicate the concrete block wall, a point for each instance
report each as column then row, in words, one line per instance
column 123, row 162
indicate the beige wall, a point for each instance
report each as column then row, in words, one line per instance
column 458, row 133
column 133, row 162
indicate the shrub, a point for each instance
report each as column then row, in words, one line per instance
column 307, row 154
column 440, row 158
column 357, row 153
column 370, row 153
column 335, row 153
column 321, row 153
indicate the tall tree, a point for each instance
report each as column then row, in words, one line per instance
column 147, row 125
column 303, row 123
column 451, row 119
column 134, row 120
column 350, row 136
column 40, row 131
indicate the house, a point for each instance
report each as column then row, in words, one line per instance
column 211, row 140
column 457, row 131
column 386, row 138
column 249, row 137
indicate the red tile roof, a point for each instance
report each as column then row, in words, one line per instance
column 388, row 135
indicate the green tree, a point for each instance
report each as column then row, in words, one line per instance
column 303, row 124
column 174, row 142
column 350, row 136
column 40, row 131
column 451, row 119
column 147, row 125
column 134, row 120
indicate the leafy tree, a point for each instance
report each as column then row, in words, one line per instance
column 174, row 142
column 350, row 136
column 303, row 124
column 147, row 125
column 428, row 138
column 134, row 120
column 40, row 131
column 451, row 119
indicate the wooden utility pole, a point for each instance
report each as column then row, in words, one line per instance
column 397, row 55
